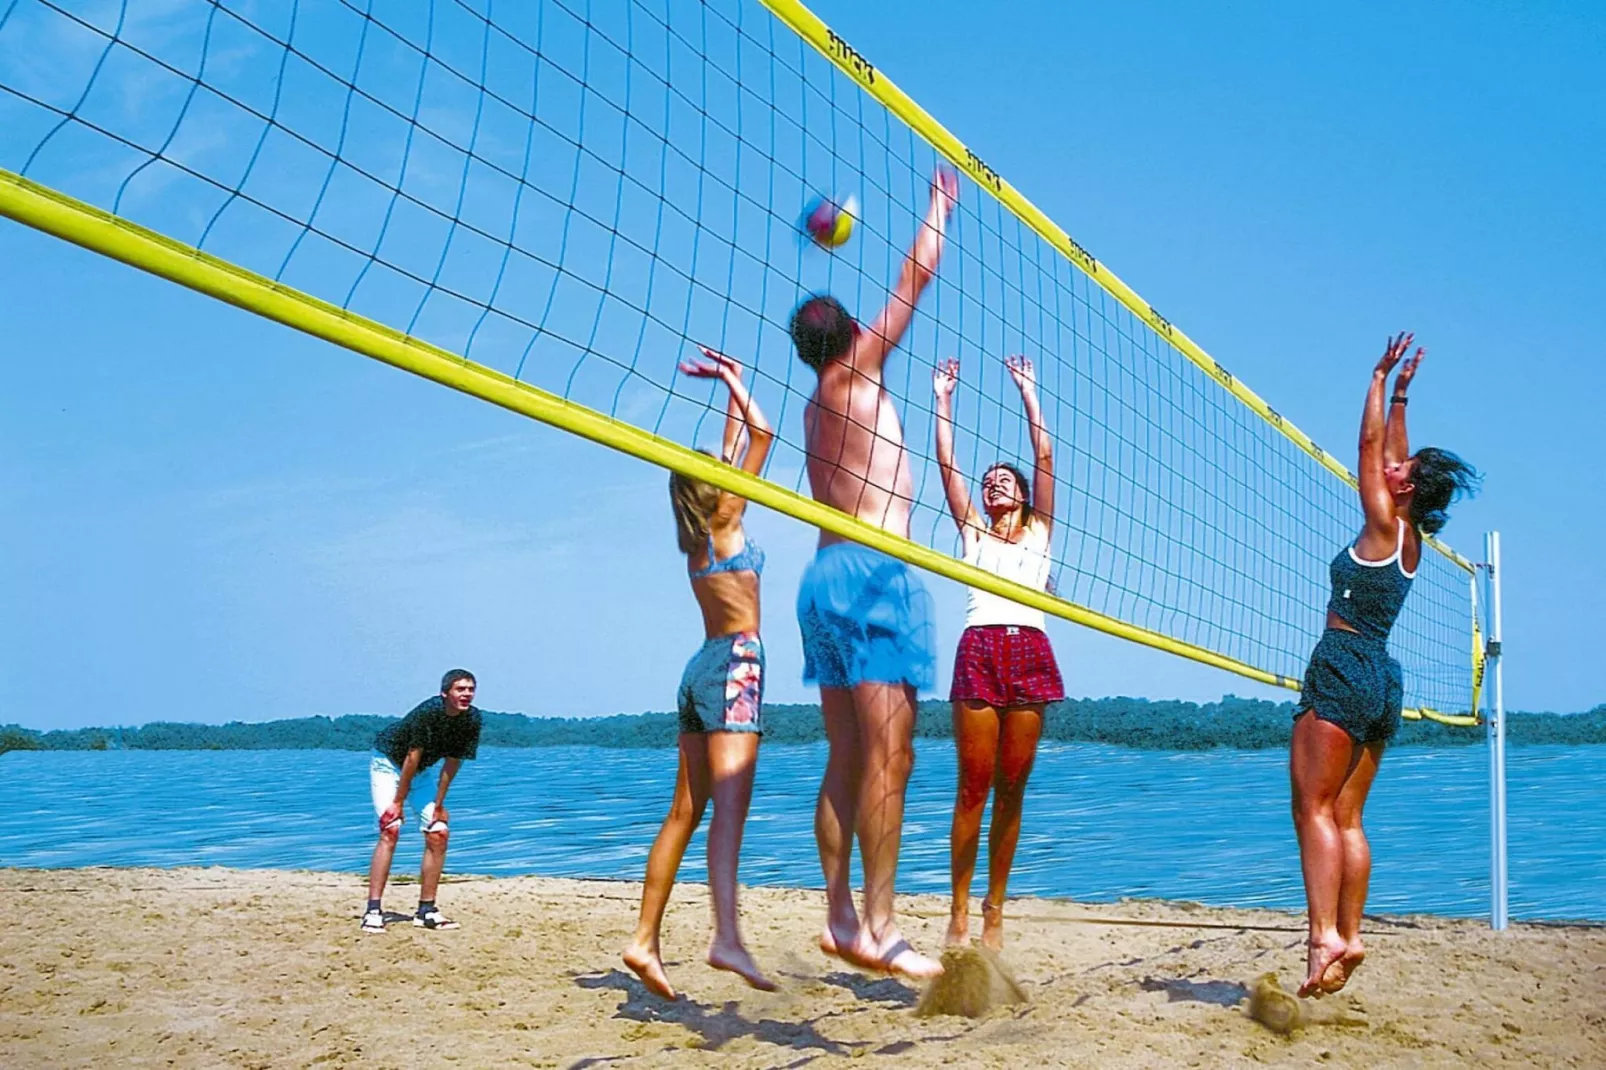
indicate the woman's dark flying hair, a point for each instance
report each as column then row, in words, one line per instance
column 1440, row 478
column 455, row 675
column 822, row 330
column 1020, row 481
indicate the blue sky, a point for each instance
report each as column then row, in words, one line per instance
column 216, row 518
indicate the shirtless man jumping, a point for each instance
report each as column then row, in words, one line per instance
column 865, row 617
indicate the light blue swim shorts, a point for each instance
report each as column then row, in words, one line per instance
column 865, row 618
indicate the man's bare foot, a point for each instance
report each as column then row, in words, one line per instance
column 891, row 954
column 734, row 958
column 650, row 968
column 958, row 927
column 836, row 941
column 1336, row 976
column 1321, row 953
column 992, row 925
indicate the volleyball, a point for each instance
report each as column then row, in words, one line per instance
column 830, row 222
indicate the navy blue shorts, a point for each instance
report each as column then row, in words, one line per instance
column 1353, row 683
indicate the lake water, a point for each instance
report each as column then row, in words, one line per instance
column 1101, row 822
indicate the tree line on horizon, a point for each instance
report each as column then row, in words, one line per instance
column 1144, row 724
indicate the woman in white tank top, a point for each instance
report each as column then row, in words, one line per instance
column 1004, row 671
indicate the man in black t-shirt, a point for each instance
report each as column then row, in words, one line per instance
column 444, row 727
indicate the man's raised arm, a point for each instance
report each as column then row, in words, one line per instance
column 871, row 348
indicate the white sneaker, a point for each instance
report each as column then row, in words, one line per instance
column 433, row 919
column 373, row 921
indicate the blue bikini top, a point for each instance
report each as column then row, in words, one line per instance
column 750, row 558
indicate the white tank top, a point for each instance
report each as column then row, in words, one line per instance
column 1026, row 562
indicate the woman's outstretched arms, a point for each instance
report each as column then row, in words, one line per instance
column 1396, row 446
column 943, row 381
column 743, row 417
column 1376, row 500
column 1025, row 376
column 744, row 420
column 735, row 440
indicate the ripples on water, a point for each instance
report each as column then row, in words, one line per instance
column 1101, row 822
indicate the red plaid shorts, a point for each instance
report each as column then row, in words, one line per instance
column 1005, row 666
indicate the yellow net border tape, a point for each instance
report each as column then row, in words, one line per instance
column 811, row 29
column 65, row 217
column 72, row 220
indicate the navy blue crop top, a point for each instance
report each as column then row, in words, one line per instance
column 750, row 558
column 1368, row 595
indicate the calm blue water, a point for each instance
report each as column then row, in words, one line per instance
column 1101, row 822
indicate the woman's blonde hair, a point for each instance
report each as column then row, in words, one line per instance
column 694, row 503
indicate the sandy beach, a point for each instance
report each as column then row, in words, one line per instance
column 254, row 968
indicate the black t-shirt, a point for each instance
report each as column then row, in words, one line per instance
column 430, row 727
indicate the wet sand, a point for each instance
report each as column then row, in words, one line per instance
column 254, row 968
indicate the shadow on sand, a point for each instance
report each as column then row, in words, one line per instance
column 873, row 989
column 716, row 1027
column 1177, row 990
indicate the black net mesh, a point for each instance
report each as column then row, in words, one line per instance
column 576, row 193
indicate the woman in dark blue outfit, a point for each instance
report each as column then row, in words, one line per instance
column 1350, row 706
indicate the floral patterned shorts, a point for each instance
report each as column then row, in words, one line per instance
column 722, row 689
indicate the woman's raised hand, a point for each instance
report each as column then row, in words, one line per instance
column 1396, row 349
column 1408, row 369
column 717, row 366
column 1021, row 370
column 945, row 377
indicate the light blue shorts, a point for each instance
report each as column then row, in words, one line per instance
column 865, row 618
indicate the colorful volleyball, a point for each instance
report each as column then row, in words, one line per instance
column 830, row 221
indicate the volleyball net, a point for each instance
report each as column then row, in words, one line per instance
column 548, row 205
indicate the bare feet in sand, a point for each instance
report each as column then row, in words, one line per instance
column 837, row 940
column 649, row 967
column 891, row 954
column 1321, row 952
column 992, row 925
column 734, row 958
column 1336, row 976
column 958, row 928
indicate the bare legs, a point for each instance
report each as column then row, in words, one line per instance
column 732, row 757
column 886, row 715
column 429, row 876
column 720, row 764
column 976, row 731
column 663, row 862
column 1330, row 775
column 836, row 816
column 996, row 751
column 870, row 729
column 379, row 865
column 1357, row 865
